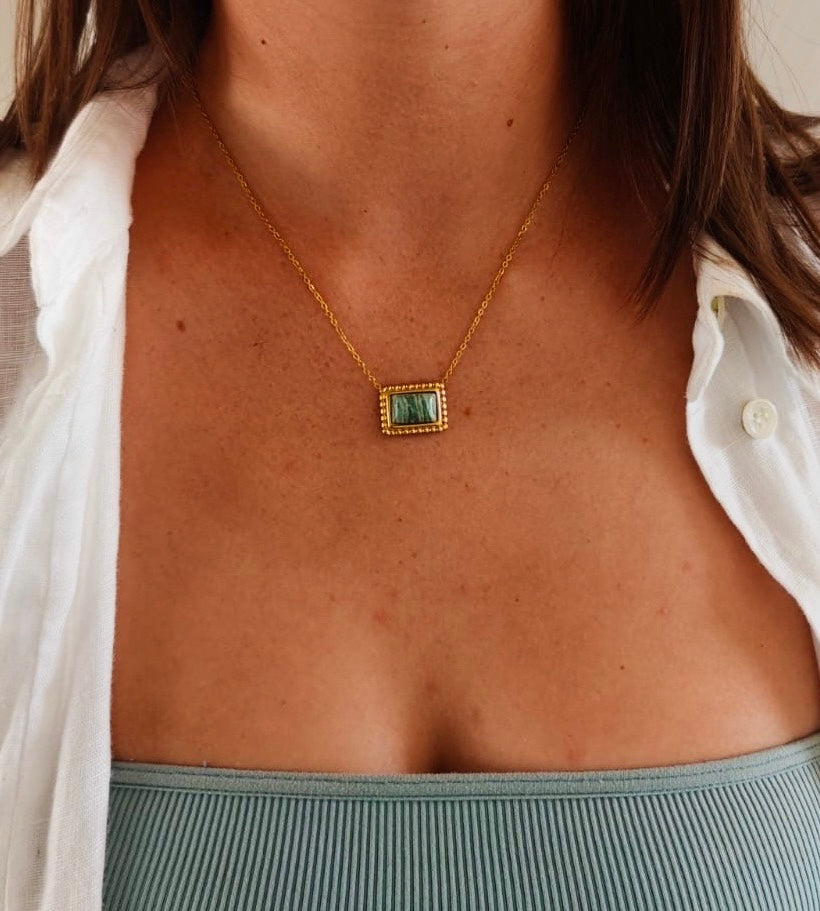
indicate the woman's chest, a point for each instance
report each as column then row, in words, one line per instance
column 549, row 583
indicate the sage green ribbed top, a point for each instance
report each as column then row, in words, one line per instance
column 740, row 833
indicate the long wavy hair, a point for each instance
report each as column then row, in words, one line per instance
column 670, row 90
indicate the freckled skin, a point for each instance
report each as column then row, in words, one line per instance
column 535, row 588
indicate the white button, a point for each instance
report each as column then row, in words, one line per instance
column 719, row 309
column 759, row 418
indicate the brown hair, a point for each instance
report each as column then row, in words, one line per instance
column 671, row 93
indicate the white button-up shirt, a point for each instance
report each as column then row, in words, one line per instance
column 752, row 418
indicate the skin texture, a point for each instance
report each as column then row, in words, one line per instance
column 549, row 584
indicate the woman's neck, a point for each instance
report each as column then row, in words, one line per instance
column 439, row 116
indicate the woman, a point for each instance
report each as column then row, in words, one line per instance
column 564, row 654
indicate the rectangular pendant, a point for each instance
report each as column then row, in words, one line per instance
column 413, row 408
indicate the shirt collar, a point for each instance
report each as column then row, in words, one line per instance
column 84, row 192
column 721, row 278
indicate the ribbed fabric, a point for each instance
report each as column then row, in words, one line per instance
column 740, row 833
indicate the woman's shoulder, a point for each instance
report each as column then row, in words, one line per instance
column 54, row 227
column 93, row 160
column 16, row 188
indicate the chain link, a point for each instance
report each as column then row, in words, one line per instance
column 260, row 211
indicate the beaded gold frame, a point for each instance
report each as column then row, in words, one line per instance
column 391, row 428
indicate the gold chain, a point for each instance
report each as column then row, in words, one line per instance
column 260, row 211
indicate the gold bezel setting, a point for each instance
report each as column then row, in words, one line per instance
column 392, row 429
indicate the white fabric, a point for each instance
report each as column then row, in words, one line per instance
column 63, row 256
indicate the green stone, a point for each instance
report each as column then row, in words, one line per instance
column 413, row 408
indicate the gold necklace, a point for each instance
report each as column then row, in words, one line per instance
column 404, row 407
